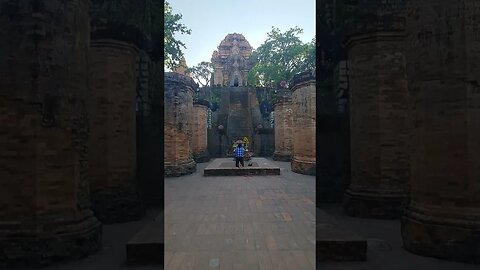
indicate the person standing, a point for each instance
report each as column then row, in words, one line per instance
column 239, row 154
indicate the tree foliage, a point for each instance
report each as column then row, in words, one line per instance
column 202, row 73
column 173, row 47
column 280, row 57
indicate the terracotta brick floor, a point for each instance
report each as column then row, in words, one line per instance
column 240, row 222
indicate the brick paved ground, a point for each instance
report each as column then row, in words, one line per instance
column 385, row 250
column 240, row 222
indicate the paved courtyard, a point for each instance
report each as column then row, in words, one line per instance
column 240, row 222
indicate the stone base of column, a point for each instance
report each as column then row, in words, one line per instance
column 445, row 238
column 304, row 167
column 373, row 205
column 64, row 240
column 201, row 157
column 179, row 169
column 282, row 156
column 117, row 205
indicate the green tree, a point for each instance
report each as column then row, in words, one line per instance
column 280, row 57
column 202, row 73
column 173, row 47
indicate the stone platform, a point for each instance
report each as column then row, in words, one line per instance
column 226, row 167
column 147, row 246
column 337, row 244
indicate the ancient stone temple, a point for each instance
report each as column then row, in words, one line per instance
column 443, row 216
column 231, row 61
column 178, row 116
column 199, row 131
column 238, row 115
column 112, row 143
column 283, row 129
column 44, row 196
column 304, row 124
column 379, row 127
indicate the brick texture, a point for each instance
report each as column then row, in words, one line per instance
column 199, row 131
column 304, row 115
column 443, row 217
column 283, row 129
column 44, row 196
column 379, row 127
column 178, row 102
column 112, row 141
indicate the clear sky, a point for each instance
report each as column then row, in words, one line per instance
column 211, row 20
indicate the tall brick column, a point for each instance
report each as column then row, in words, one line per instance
column 112, row 149
column 378, row 111
column 378, row 123
column 283, row 129
column 44, row 195
column 443, row 216
column 178, row 111
column 199, row 131
column 303, row 105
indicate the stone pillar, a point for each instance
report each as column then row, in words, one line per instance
column 304, row 123
column 44, row 197
column 443, row 216
column 283, row 129
column 178, row 111
column 378, row 122
column 112, row 143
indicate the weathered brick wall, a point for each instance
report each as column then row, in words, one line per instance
column 304, row 119
column 112, row 141
column 44, row 196
column 283, row 129
column 379, row 127
column 178, row 111
column 199, row 133
column 443, row 217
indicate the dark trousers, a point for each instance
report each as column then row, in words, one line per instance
column 237, row 160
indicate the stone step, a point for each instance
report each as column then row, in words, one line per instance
column 147, row 246
column 226, row 167
column 337, row 244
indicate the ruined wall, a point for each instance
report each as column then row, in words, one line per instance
column 304, row 119
column 44, row 194
column 443, row 216
column 283, row 129
column 112, row 141
column 178, row 111
column 199, row 132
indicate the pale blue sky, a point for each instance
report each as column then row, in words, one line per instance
column 211, row 20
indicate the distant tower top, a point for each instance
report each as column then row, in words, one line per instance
column 231, row 61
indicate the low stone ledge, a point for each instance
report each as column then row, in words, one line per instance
column 147, row 246
column 241, row 171
column 335, row 244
